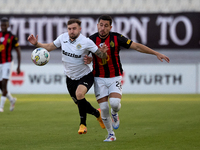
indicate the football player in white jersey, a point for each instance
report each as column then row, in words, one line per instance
column 79, row 77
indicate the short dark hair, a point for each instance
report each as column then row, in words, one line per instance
column 105, row 17
column 4, row 19
column 74, row 20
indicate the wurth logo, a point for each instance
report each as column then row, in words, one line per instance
column 17, row 79
column 156, row 79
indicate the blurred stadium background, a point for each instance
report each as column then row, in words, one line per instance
column 189, row 54
column 97, row 6
column 89, row 7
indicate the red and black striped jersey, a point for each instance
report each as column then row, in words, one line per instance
column 7, row 42
column 111, row 66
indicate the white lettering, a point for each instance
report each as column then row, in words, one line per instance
column 163, row 21
column 140, row 27
column 23, row 30
column 188, row 30
column 122, row 25
column 89, row 26
column 172, row 22
column 48, row 28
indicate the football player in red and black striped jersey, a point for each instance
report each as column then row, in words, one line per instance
column 108, row 72
column 7, row 42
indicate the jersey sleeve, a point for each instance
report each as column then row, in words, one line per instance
column 15, row 42
column 123, row 41
column 91, row 46
column 57, row 42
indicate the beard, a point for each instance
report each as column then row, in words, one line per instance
column 103, row 35
column 73, row 36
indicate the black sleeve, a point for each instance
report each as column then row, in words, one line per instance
column 93, row 37
column 15, row 42
column 123, row 41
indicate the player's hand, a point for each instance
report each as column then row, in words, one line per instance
column 87, row 59
column 104, row 48
column 33, row 40
column 161, row 57
column 18, row 70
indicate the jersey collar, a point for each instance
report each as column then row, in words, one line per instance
column 77, row 39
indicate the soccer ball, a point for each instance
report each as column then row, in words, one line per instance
column 40, row 56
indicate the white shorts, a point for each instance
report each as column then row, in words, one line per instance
column 104, row 86
column 5, row 70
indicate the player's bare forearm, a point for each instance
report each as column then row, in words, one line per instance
column 18, row 50
column 48, row 46
column 34, row 41
column 144, row 49
column 102, row 51
column 101, row 54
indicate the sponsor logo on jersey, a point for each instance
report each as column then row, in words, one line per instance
column 112, row 44
column 85, row 83
column 17, row 44
column 2, row 47
column 104, row 61
column 71, row 55
column 8, row 41
column 128, row 42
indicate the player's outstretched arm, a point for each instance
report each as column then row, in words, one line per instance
column 144, row 49
column 34, row 41
column 18, row 50
column 161, row 57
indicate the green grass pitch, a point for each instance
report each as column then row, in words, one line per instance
column 147, row 122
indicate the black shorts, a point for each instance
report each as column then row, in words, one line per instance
column 72, row 85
